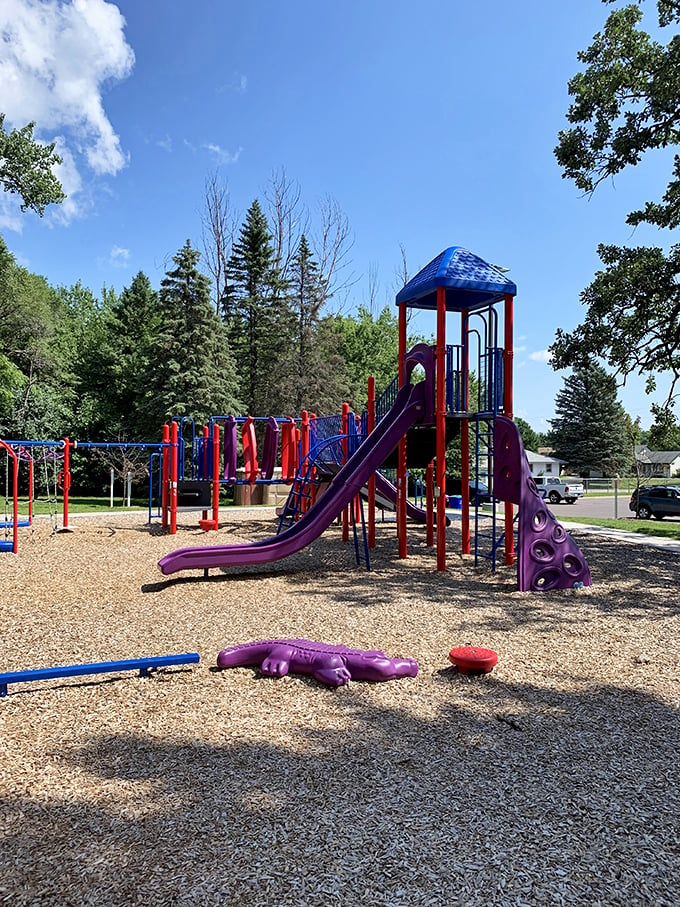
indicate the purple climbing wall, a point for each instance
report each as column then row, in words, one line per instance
column 547, row 556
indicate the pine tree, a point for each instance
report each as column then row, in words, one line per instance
column 132, row 320
column 258, row 319
column 192, row 370
column 310, row 379
column 592, row 432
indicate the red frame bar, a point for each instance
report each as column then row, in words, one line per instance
column 508, row 356
column 15, row 494
column 440, row 417
column 370, row 407
column 402, row 490
column 345, row 452
column 173, row 478
column 465, row 435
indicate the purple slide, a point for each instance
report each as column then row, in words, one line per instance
column 408, row 409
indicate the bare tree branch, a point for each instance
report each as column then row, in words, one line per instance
column 218, row 230
column 332, row 246
column 288, row 218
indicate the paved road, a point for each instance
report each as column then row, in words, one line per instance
column 587, row 506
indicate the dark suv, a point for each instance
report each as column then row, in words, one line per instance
column 656, row 501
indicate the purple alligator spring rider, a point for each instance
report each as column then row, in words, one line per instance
column 329, row 664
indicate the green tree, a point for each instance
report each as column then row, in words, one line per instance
column 133, row 321
column 26, row 168
column 191, row 370
column 258, row 319
column 664, row 433
column 626, row 103
column 316, row 382
column 591, row 431
column 530, row 438
column 86, row 366
column 32, row 387
column 370, row 346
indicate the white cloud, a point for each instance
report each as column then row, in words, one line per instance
column 238, row 85
column 119, row 257
column 222, row 155
column 541, row 356
column 55, row 57
column 165, row 144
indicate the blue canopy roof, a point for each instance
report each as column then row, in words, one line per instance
column 470, row 282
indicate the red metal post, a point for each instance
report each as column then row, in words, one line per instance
column 66, row 480
column 216, row 476
column 402, row 489
column 440, row 417
column 173, row 478
column 508, row 355
column 165, row 476
column 304, row 453
column 30, row 490
column 15, row 494
column 371, row 481
column 345, row 451
column 465, row 434
column 205, row 463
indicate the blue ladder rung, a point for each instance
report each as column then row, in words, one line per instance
column 143, row 665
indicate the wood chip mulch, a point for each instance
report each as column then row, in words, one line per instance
column 552, row 780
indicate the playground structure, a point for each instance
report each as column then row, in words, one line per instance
column 415, row 421
column 332, row 463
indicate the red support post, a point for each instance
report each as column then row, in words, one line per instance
column 66, row 479
column 173, row 478
column 205, row 465
column 371, row 482
column 15, row 494
column 304, row 453
column 30, row 490
column 465, row 435
column 216, row 476
column 165, row 476
column 402, row 461
column 508, row 355
column 440, row 417
column 345, row 453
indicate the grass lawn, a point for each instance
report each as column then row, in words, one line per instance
column 669, row 530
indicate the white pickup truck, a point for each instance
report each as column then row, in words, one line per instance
column 559, row 489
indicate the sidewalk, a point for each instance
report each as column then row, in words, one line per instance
column 633, row 538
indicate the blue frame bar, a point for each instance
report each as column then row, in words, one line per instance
column 143, row 665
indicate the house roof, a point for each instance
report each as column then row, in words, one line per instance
column 659, row 457
column 470, row 283
column 541, row 458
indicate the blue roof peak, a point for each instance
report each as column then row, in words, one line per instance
column 470, row 282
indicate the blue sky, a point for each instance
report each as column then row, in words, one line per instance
column 431, row 124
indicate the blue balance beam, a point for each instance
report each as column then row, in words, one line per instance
column 143, row 665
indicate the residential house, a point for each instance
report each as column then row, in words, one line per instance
column 543, row 464
column 660, row 464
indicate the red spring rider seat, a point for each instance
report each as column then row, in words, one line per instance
column 473, row 660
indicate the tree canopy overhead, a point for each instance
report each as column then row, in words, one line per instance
column 26, row 168
column 627, row 102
